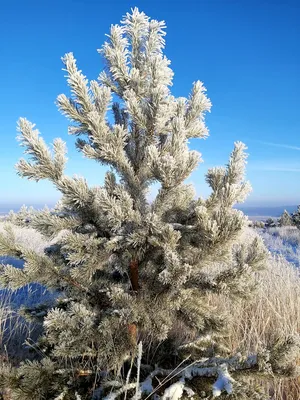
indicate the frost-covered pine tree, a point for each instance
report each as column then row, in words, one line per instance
column 285, row 219
column 296, row 217
column 270, row 223
column 132, row 277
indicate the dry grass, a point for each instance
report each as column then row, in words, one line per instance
column 13, row 330
column 274, row 311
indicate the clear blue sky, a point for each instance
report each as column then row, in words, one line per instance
column 246, row 53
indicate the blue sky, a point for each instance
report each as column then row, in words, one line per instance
column 245, row 52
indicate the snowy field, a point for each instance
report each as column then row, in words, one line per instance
column 283, row 241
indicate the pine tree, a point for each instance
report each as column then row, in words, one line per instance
column 285, row 219
column 132, row 276
column 296, row 217
column 258, row 224
column 270, row 223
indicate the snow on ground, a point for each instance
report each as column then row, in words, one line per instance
column 284, row 241
column 34, row 293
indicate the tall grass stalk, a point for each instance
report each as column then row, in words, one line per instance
column 273, row 312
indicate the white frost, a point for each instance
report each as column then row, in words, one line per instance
column 175, row 391
column 224, row 381
column 146, row 386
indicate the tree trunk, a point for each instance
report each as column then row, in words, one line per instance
column 134, row 279
column 134, row 275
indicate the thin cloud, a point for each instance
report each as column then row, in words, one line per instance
column 274, row 168
column 283, row 169
column 284, row 146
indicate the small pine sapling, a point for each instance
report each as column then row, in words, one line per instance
column 131, row 271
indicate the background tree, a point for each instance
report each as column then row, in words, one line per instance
column 285, row 219
column 131, row 272
column 270, row 223
column 296, row 217
column 258, row 224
